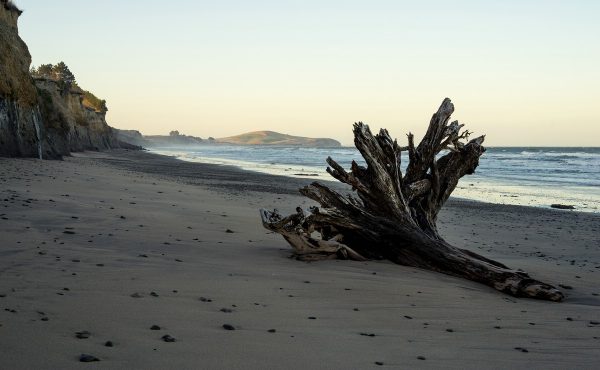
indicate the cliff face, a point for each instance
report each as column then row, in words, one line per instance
column 68, row 124
column 36, row 118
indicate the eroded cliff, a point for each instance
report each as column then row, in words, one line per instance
column 37, row 118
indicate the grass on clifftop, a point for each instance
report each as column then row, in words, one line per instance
column 9, row 5
column 92, row 101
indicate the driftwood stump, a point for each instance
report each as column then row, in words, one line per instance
column 394, row 216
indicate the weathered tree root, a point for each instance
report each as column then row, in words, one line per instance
column 394, row 216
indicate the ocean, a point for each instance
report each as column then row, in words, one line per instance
column 532, row 176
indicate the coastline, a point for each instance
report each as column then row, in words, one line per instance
column 505, row 176
column 81, row 236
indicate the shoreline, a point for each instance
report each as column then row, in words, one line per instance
column 278, row 183
column 115, row 242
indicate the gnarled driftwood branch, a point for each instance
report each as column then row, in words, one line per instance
column 394, row 214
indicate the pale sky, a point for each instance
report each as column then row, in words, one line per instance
column 522, row 72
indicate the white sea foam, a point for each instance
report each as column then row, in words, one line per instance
column 522, row 176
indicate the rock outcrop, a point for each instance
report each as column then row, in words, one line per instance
column 37, row 119
column 133, row 137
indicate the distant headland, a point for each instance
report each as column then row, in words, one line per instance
column 251, row 138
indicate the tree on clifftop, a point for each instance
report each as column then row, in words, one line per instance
column 63, row 73
column 59, row 73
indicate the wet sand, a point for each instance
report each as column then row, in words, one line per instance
column 162, row 258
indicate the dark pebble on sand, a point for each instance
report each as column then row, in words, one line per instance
column 109, row 344
column 271, row 330
column 44, row 319
column 408, row 317
column 203, row 299
column 367, row 334
column 88, row 358
column 594, row 322
column 524, row 350
column 421, row 357
column 229, row 231
column 562, row 206
column 312, row 318
column 155, row 327
column 226, row 310
column 565, row 286
column 450, row 330
column 228, row 327
column 83, row 334
column 69, row 232
column 167, row 338
column 154, row 294
column 137, row 295
column 378, row 363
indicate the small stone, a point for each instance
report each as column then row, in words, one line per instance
column 154, row 294
column 108, row 343
column 88, row 358
column 167, row 338
column 378, row 363
column 420, row 357
column 408, row 317
column 155, row 327
column 228, row 327
column 229, row 231
column 203, row 299
column 271, row 330
column 562, row 206
column 44, row 319
column 226, row 310
column 594, row 322
column 83, row 334
column 450, row 330
column 312, row 318
column 367, row 334
column 137, row 295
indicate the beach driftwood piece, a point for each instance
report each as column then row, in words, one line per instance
column 394, row 214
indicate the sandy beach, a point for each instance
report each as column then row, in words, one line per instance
column 128, row 247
